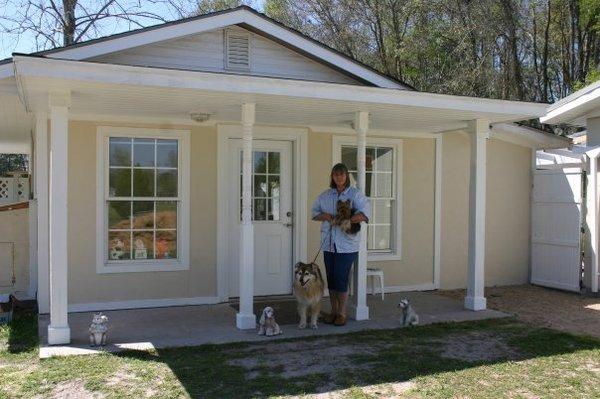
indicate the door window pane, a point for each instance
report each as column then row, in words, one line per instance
column 266, row 181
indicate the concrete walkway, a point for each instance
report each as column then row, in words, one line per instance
column 145, row 329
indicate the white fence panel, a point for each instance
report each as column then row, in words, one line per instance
column 556, row 228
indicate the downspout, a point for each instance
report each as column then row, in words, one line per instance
column 593, row 194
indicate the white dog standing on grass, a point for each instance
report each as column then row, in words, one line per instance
column 267, row 324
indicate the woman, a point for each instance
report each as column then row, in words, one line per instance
column 340, row 250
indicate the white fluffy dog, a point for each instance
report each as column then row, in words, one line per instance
column 409, row 316
column 267, row 324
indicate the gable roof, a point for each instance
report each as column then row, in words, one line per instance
column 243, row 16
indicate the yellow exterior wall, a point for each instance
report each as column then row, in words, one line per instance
column 507, row 252
column 507, row 217
column 85, row 285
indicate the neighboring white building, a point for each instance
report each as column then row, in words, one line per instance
column 143, row 197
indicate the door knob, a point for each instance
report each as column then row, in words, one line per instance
column 288, row 224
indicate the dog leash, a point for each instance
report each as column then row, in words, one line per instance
column 321, row 244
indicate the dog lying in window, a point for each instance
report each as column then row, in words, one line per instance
column 342, row 217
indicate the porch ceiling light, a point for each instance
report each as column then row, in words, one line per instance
column 200, row 116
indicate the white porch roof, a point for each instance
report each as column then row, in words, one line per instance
column 100, row 91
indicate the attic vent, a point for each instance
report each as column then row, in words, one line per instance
column 237, row 51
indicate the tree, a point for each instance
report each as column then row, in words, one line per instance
column 53, row 23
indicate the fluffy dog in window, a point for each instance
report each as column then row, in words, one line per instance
column 308, row 289
column 267, row 324
column 342, row 217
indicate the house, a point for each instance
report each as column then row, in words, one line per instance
column 146, row 194
column 581, row 110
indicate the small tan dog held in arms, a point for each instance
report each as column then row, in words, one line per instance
column 342, row 217
column 308, row 289
column 267, row 324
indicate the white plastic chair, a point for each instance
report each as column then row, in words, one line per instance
column 372, row 273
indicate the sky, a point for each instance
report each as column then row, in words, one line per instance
column 26, row 42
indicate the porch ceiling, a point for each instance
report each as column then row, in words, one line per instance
column 102, row 91
column 15, row 124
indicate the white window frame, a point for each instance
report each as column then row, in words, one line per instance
column 103, row 265
column 396, row 144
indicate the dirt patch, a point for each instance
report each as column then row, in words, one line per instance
column 74, row 389
column 564, row 311
column 129, row 381
column 477, row 347
column 300, row 358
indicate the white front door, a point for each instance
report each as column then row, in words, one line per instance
column 271, row 215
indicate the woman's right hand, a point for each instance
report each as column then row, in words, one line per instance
column 326, row 217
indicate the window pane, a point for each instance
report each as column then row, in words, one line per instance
column 119, row 245
column 381, row 237
column 384, row 159
column 166, row 245
column 274, row 213
column 274, row 162
column 166, row 215
column 143, row 214
column 381, row 211
column 384, row 185
column 369, row 189
column 119, row 151
column 143, row 152
column 260, row 162
column 273, row 186
column 166, row 183
column 370, row 158
column 119, row 214
column 166, row 153
column 349, row 157
column 143, row 182
column 119, row 183
column 260, row 209
column 260, row 186
column 143, row 245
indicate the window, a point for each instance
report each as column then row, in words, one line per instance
column 383, row 187
column 266, row 184
column 144, row 201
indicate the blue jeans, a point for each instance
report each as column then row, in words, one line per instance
column 337, row 267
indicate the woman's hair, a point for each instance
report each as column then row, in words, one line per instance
column 340, row 168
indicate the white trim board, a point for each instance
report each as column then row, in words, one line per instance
column 299, row 139
column 183, row 214
column 142, row 303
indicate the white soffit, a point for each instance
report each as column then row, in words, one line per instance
column 528, row 137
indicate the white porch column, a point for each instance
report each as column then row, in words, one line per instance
column 361, row 311
column 41, row 195
column 245, row 319
column 479, row 132
column 58, row 330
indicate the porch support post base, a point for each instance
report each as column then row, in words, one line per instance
column 475, row 303
column 245, row 321
column 359, row 312
column 59, row 335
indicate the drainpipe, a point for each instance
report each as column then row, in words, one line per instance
column 593, row 194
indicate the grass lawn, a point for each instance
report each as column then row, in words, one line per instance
column 491, row 359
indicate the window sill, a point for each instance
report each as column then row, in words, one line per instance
column 377, row 257
column 140, row 267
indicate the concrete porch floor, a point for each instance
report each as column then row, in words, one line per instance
column 144, row 329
